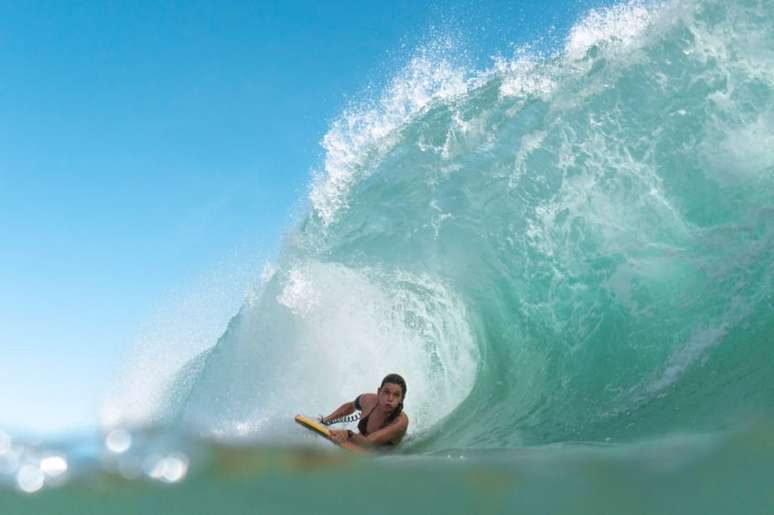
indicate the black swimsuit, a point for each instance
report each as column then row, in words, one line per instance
column 362, row 426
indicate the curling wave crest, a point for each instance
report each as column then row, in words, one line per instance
column 571, row 246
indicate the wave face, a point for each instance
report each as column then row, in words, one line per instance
column 577, row 246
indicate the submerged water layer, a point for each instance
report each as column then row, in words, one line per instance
column 686, row 474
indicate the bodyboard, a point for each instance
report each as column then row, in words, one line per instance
column 320, row 429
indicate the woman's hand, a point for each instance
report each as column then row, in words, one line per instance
column 339, row 436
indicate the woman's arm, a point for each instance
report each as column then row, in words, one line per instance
column 391, row 433
column 345, row 409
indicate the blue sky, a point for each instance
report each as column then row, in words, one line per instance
column 147, row 147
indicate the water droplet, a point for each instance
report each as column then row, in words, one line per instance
column 118, row 441
column 30, row 479
column 170, row 469
column 53, row 466
column 5, row 443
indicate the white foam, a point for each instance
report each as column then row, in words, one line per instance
column 696, row 346
column 742, row 152
column 299, row 293
column 363, row 133
column 618, row 29
column 525, row 76
column 342, row 330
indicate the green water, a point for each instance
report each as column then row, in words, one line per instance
column 713, row 474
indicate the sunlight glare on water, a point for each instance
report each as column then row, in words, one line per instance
column 30, row 479
column 170, row 469
column 118, row 441
column 53, row 466
column 5, row 443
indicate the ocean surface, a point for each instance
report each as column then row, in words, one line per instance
column 568, row 254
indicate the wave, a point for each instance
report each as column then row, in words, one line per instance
column 567, row 246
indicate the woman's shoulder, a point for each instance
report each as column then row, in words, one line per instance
column 367, row 399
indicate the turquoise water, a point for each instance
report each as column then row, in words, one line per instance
column 680, row 474
column 569, row 257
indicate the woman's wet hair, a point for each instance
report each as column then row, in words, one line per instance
column 395, row 379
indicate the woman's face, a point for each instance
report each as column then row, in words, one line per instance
column 390, row 395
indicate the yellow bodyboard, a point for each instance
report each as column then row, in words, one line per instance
column 323, row 431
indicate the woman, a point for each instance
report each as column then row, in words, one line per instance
column 384, row 424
